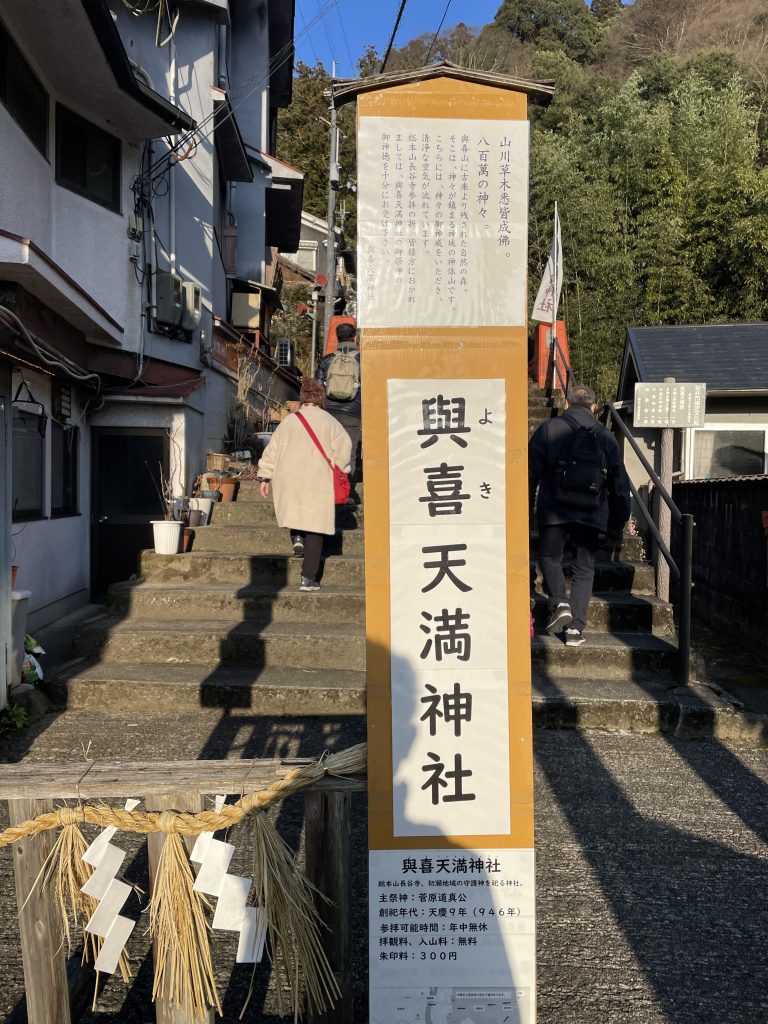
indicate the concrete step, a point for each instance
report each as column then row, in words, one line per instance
column 631, row 549
column 628, row 656
column 249, row 491
column 223, row 600
column 142, row 688
column 619, row 613
column 262, row 513
column 274, row 570
column 214, row 641
column 614, row 577
column 254, row 540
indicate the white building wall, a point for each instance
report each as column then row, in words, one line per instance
column 53, row 555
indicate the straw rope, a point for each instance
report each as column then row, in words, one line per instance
column 346, row 762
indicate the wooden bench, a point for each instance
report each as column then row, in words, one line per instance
column 31, row 789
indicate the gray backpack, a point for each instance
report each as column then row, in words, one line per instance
column 343, row 378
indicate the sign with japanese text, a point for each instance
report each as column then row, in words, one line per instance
column 442, row 247
column 442, row 221
column 669, row 405
column 447, row 555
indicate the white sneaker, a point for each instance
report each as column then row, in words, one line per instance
column 574, row 638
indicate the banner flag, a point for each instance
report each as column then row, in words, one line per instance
column 548, row 299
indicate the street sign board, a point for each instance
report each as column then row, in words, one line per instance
column 442, row 248
column 669, row 405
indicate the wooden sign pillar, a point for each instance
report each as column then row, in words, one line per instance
column 442, row 252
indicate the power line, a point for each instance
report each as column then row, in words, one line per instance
column 346, row 41
column 282, row 55
column 434, row 40
column 325, row 29
column 392, row 37
column 311, row 44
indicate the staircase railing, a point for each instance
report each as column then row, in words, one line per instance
column 682, row 573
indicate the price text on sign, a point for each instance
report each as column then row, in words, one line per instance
column 669, row 405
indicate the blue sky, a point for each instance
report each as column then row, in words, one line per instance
column 371, row 21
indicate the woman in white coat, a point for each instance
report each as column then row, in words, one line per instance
column 302, row 480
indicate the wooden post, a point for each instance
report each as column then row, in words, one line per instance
column 179, row 800
column 327, row 834
column 45, row 973
column 665, row 514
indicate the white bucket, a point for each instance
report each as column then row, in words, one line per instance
column 167, row 536
column 204, row 505
column 20, row 600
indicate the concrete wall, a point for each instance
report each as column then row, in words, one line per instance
column 730, row 552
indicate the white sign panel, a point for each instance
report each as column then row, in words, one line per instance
column 452, row 936
column 442, row 222
column 669, row 405
column 450, row 713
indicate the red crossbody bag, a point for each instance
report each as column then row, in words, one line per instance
column 340, row 478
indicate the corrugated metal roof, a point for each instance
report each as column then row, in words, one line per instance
column 726, row 357
column 757, row 478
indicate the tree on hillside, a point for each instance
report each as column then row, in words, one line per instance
column 604, row 9
column 303, row 138
column 552, row 24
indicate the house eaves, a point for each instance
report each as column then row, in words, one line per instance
column 77, row 45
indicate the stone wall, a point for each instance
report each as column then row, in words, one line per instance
column 730, row 551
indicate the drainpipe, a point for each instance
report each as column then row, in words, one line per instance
column 142, row 73
column 171, row 190
column 222, row 58
column 148, row 226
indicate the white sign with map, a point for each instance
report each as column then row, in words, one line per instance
column 452, row 937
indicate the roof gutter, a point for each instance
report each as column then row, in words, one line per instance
column 109, row 39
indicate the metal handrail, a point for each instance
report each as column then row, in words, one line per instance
column 682, row 573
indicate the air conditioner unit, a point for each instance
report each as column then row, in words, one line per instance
column 190, row 317
column 285, row 353
column 169, row 292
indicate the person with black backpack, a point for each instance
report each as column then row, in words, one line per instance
column 583, row 495
column 339, row 373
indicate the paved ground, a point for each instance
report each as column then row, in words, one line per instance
column 652, row 866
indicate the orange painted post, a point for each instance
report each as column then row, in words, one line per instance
column 442, row 252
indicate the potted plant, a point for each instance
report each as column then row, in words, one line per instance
column 167, row 531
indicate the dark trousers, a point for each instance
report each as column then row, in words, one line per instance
column 353, row 427
column 587, row 542
column 313, row 552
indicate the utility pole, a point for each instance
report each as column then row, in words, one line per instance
column 333, row 184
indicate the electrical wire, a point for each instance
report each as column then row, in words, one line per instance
column 304, row 22
column 392, row 37
column 13, row 321
column 344, row 36
column 327, row 34
column 434, row 40
column 284, row 54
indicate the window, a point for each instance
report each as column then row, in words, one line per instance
column 87, row 159
column 28, row 461
column 64, row 443
column 728, row 451
column 22, row 94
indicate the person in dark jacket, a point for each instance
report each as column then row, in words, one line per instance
column 347, row 414
column 566, row 515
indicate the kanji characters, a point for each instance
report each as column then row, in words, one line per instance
column 444, row 565
column 437, row 779
column 451, row 634
column 443, row 416
column 455, row 706
column 445, row 495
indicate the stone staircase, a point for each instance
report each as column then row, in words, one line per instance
column 630, row 632
column 225, row 625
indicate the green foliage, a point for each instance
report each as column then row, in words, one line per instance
column 294, row 325
column 552, row 24
column 12, row 718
